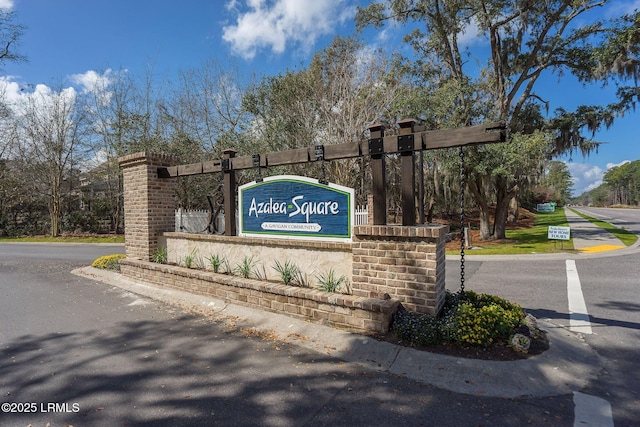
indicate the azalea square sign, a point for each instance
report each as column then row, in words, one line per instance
column 288, row 206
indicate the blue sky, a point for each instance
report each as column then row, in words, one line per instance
column 67, row 38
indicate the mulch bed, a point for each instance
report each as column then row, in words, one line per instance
column 498, row 351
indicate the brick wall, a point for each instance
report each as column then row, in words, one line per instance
column 313, row 258
column 359, row 314
column 408, row 263
column 149, row 202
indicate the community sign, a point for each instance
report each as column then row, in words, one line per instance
column 288, row 206
column 546, row 207
column 556, row 232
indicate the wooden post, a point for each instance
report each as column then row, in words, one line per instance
column 229, row 192
column 378, row 174
column 408, row 172
column 421, row 188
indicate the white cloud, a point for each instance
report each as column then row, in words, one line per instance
column 96, row 84
column 6, row 4
column 471, row 35
column 615, row 165
column 40, row 96
column 279, row 24
column 587, row 177
column 622, row 7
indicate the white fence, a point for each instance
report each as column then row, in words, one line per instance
column 362, row 215
column 196, row 221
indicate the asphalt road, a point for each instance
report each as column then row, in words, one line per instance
column 624, row 218
column 610, row 286
column 77, row 352
column 74, row 351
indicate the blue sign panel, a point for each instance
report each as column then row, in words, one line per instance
column 296, row 207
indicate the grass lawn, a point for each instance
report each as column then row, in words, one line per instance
column 66, row 239
column 527, row 240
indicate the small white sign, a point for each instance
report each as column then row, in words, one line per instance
column 286, row 226
column 559, row 233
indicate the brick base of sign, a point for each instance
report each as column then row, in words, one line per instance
column 356, row 313
column 407, row 263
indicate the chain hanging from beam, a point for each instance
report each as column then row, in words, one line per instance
column 319, row 153
column 463, row 182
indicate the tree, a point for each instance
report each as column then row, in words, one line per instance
column 346, row 88
column 623, row 183
column 10, row 34
column 558, row 178
column 526, row 40
column 203, row 116
column 49, row 138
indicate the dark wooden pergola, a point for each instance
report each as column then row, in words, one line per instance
column 409, row 140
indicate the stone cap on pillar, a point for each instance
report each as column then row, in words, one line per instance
column 146, row 157
column 432, row 231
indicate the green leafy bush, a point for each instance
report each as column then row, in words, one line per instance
column 109, row 262
column 417, row 328
column 467, row 319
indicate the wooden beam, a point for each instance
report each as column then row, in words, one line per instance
column 240, row 163
column 191, row 169
column 289, row 157
column 449, row 138
column 212, row 166
column 423, row 140
column 342, row 151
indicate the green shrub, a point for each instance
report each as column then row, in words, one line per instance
column 477, row 326
column 109, row 262
column 417, row 328
column 467, row 319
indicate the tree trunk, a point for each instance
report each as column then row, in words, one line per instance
column 503, row 198
column 477, row 189
column 55, row 217
column 514, row 211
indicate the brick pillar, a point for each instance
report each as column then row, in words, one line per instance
column 408, row 263
column 149, row 202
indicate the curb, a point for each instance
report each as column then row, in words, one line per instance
column 569, row 364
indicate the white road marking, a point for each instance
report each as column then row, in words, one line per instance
column 578, row 315
column 591, row 411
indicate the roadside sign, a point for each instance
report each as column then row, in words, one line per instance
column 546, row 207
column 556, row 232
column 293, row 207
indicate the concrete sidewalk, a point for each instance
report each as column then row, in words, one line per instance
column 569, row 365
column 588, row 237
